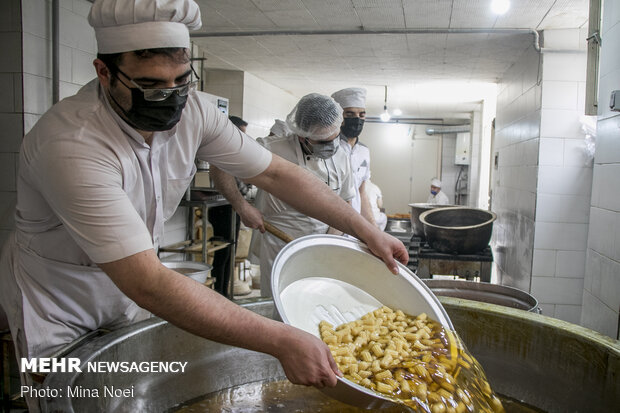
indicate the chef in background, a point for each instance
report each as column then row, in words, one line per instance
column 313, row 144
column 311, row 141
column 100, row 173
column 437, row 197
column 375, row 197
column 353, row 102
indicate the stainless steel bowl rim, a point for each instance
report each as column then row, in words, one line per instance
column 335, row 240
column 483, row 287
column 423, row 216
column 202, row 266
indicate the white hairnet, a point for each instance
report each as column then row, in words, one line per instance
column 436, row 182
column 126, row 25
column 315, row 116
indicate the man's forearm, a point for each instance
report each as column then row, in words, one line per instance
column 366, row 209
column 310, row 196
column 227, row 186
column 190, row 306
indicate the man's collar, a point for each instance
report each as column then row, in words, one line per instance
column 347, row 139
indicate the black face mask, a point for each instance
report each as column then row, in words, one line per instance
column 152, row 116
column 352, row 127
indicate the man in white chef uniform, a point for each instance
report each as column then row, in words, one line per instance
column 312, row 143
column 353, row 102
column 100, row 173
column 437, row 197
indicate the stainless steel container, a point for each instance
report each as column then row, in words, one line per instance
column 198, row 271
column 546, row 363
column 416, row 210
column 458, row 230
column 485, row 292
column 317, row 274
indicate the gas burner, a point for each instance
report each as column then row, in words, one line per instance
column 427, row 262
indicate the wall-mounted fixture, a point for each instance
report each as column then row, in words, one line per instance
column 385, row 116
column 614, row 102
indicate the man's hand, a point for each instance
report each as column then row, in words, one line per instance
column 307, row 360
column 251, row 217
column 389, row 249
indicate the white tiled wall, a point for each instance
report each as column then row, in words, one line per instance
column 601, row 292
column 514, row 180
column 564, row 178
column 11, row 116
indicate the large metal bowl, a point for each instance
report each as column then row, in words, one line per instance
column 197, row 271
column 458, row 230
column 334, row 278
column 416, row 210
column 547, row 363
column 485, row 292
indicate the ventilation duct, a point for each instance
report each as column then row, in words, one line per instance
column 448, row 129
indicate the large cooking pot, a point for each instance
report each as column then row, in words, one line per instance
column 547, row 363
column 485, row 292
column 458, row 230
column 416, row 210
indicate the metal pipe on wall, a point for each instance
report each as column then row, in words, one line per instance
column 533, row 32
column 448, row 129
column 55, row 51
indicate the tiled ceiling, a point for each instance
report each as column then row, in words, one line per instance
column 324, row 63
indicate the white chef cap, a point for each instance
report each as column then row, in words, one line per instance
column 315, row 116
column 352, row 97
column 280, row 128
column 126, row 25
column 436, row 182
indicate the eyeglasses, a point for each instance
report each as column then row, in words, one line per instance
column 159, row 94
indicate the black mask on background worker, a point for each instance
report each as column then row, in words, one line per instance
column 352, row 127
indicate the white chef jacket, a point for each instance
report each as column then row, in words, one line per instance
column 374, row 195
column 90, row 190
column 334, row 171
column 359, row 156
column 439, row 199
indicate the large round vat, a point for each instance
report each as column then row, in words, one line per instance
column 485, row 292
column 549, row 364
column 416, row 210
column 458, row 230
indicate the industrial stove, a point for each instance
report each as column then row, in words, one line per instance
column 427, row 262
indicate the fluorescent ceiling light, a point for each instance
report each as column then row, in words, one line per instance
column 500, row 6
column 385, row 116
column 397, row 112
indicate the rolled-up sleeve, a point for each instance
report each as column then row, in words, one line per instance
column 83, row 187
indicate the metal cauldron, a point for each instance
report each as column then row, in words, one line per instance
column 458, row 230
column 416, row 210
column 485, row 292
column 546, row 363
